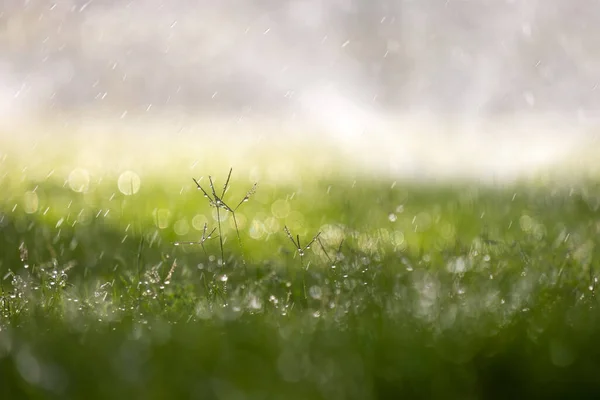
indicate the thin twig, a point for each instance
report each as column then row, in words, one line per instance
column 217, row 201
column 324, row 251
column 226, row 183
column 301, row 251
column 203, row 239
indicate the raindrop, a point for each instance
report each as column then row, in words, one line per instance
column 255, row 303
column 79, row 180
column 129, row 183
column 315, row 292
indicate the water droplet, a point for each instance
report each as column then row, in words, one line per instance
column 79, row 180
column 315, row 292
column 255, row 303
column 129, row 183
column 224, row 278
column 392, row 217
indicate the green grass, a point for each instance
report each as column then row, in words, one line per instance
column 447, row 290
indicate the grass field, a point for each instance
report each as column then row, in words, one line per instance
column 438, row 290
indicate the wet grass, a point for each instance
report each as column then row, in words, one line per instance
column 444, row 290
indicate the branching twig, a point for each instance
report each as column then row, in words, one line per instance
column 301, row 249
column 203, row 239
column 217, row 201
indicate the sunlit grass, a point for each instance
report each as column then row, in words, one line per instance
column 448, row 289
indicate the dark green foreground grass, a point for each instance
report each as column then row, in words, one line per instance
column 440, row 291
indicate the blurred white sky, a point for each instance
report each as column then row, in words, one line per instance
column 358, row 70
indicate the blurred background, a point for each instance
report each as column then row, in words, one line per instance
column 494, row 85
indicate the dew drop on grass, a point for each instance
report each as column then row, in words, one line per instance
column 224, row 278
column 255, row 303
column 129, row 183
column 315, row 292
column 392, row 217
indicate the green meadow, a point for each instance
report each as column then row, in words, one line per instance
column 121, row 278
